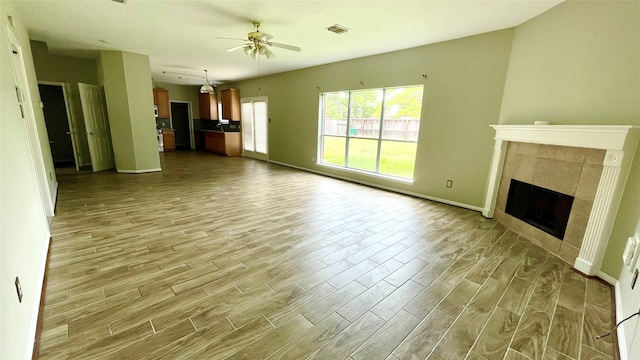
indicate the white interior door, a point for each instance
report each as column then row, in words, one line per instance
column 94, row 109
column 255, row 122
column 73, row 127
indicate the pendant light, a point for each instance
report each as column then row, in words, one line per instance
column 207, row 88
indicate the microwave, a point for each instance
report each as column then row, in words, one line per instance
column 155, row 110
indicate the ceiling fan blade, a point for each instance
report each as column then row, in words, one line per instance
column 237, row 47
column 284, row 46
column 228, row 38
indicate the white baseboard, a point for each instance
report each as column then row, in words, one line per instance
column 609, row 279
column 622, row 344
column 33, row 327
column 138, row 171
column 426, row 197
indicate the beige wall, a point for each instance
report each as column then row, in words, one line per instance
column 186, row 93
column 462, row 96
column 181, row 93
column 576, row 64
column 129, row 94
column 50, row 67
column 579, row 63
column 24, row 232
column 70, row 70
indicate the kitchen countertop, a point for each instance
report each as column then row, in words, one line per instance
column 216, row 131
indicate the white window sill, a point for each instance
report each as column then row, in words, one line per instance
column 366, row 173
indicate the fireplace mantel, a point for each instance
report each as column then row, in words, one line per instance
column 620, row 143
column 614, row 137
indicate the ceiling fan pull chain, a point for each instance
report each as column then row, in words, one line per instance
column 259, row 78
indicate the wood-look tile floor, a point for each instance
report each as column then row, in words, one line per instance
column 217, row 258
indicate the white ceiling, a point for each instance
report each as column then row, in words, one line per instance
column 180, row 36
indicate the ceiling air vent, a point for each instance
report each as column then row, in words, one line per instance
column 338, row 29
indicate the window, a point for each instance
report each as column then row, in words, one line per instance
column 373, row 130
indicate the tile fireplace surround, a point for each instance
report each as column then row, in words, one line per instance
column 590, row 162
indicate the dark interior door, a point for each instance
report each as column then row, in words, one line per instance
column 55, row 117
column 180, row 119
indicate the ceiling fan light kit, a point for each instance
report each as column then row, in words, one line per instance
column 207, row 88
column 258, row 43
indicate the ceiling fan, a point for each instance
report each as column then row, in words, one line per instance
column 258, row 43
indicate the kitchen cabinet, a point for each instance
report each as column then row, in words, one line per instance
column 198, row 139
column 222, row 143
column 161, row 100
column 230, row 104
column 169, row 139
column 232, row 144
column 208, row 106
column 214, row 142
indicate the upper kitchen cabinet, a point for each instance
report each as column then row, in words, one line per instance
column 208, row 106
column 231, row 104
column 161, row 100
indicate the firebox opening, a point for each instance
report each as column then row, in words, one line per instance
column 545, row 209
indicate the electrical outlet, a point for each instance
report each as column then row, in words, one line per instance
column 449, row 183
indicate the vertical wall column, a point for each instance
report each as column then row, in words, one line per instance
column 615, row 171
column 129, row 94
column 495, row 174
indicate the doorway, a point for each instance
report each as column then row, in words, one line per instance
column 57, row 121
column 96, row 122
column 254, row 127
column 182, row 123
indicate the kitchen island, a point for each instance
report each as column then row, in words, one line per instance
column 228, row 143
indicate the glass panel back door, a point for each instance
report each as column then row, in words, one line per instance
column 255, row 127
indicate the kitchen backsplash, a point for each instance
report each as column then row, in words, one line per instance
column 201, row 124
column 163, row 123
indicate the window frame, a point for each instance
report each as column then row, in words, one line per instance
column 347, row 137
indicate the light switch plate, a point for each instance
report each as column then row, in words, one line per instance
column 631, row 252
column 636, row 255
